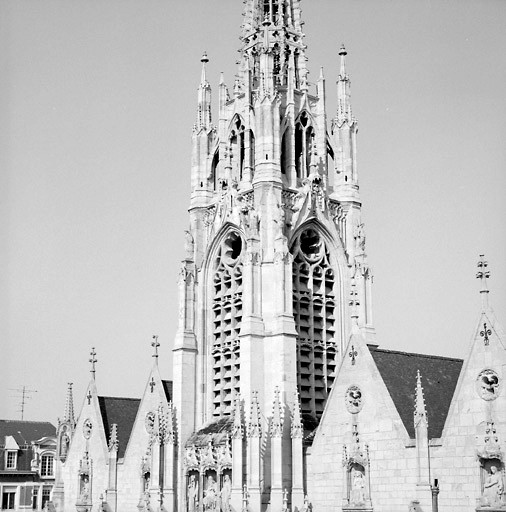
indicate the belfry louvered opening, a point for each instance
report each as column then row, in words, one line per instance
column 227, row 315
column 314, row 310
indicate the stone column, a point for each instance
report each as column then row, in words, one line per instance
column 237, row 445
column 254, row 435
column 112, row 488
column 154, row 484
column 276, row 435
column 297, row 432
column 168, row 462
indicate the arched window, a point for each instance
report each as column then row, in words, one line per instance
column 304, row 137
column 214, row 170
column 284, row 152
column 314, row 310
column 237, row 149
column 227, row 316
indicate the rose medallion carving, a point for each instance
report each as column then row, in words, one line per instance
column 353, row 399
column 488, row 385
column 87, row 428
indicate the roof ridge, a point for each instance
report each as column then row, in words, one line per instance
column 428, row 356
column 121, row 398
column 27, row 421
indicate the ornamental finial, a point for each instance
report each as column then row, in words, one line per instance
column 93, row 360
column 483, row 274
column 155, row 344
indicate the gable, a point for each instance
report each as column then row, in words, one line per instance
column 121, row 411
column 439, row 379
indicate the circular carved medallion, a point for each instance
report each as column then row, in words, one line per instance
column 231, row 248
column 353, row 399
column 311, row 245
column 87, row 428
column 150, row 422
column 487, row 384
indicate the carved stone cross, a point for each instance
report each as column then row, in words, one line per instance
column 152, row 384
column 353, row 354
column 88, row 396
column 485, row 333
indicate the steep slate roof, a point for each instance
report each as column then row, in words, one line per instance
column 216, row 431
column 167, row 387
column 439, row 378
column 24, row 432
column 121, row 411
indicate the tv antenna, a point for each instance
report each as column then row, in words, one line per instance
column 24, row 395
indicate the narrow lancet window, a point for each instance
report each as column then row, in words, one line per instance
column 314, row 307
column 227, row 316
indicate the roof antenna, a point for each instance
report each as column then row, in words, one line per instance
column 23, row 396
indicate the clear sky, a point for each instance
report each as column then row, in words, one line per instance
column 97, row 102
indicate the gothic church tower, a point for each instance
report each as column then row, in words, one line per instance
column 275, row 275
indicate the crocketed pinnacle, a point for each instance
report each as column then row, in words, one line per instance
column 68, row 416
column 420, row 410
column 343, row 90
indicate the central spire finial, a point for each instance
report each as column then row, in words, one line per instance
column 483, row 274
column 93, row 361
column 155, row 344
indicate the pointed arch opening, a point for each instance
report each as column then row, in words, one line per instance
column 304, row 138
column 237, row 148
column 214, row 170
column 315, row 311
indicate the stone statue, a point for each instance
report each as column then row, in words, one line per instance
column 189, row 245
column 210, row 494
column 65, row 441
column 226, row 490
column 357, row 496
column 85, row 489
column 193, row 494
column 493, row 488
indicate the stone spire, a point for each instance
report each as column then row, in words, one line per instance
column 420, row 410
column 277, row 416
column 204, row 98
column 272, row 44
column 255, row 420
column 297, row 429
column 237, row 430
column 69, row 416
column 113, row 440
column 483, row 274
column 343, row 91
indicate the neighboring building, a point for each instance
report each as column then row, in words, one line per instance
column 111, row 454
column 27, row 457
column 282, row 399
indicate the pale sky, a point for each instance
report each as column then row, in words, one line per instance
column 97, row 103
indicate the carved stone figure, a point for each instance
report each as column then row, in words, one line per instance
column 493, row 488
column 357, row 495
column 226, row 490
column 193, row 494
column 85, row 490
column 189, row 245
column 210, row 494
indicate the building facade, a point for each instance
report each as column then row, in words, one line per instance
column 27, row 457
column 281, row 397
